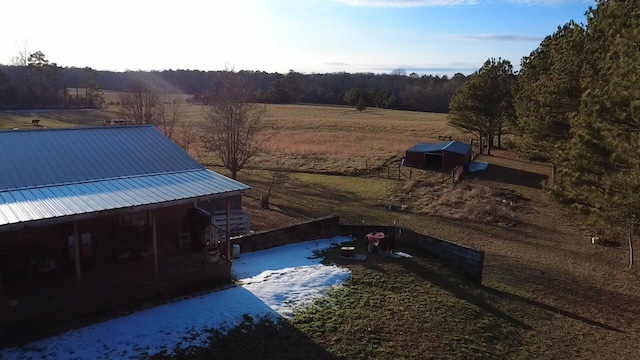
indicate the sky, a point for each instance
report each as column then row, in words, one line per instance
column 308, row 36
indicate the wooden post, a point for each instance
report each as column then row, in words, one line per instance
column 631, row 223
column 367, row 168
column 76, row 246
column 154, row 239
column 399, row 167
column 228, row 203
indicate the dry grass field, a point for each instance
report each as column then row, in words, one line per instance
column 343, row 140
column 547, row 292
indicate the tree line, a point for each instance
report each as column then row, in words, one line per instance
column 31, row 81
column 576, row 104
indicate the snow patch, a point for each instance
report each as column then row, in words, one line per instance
column 274, row 282
column 477, row 166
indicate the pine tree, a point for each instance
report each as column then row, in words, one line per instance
column 549, row 93
column 484, row 104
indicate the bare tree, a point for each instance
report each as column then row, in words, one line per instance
column 233, row 124
column 139, row 103
column 186, row 134
column 22, row 62
column 93, row 93
column 169, row 112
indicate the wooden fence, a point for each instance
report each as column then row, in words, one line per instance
column 467, row 260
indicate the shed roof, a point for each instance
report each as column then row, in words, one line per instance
column 50, row 174
column 451, row 146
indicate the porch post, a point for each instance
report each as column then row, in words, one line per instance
column 76, row 246
column 154, row 238
column 228, row 203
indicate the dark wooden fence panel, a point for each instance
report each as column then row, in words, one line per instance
column 311, row 230
column 469, row 261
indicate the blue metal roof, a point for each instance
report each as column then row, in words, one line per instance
column 25, row 205
column 31, row 158
column 451, row 146
column 49, row 174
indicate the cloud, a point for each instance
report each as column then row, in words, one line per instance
column 336, row 64
column 406, row 3
column 498, row 37
column 427, row 3
column 549, row 2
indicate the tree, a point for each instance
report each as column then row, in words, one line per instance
column 234, row 124
column 599, row 171
column 21, row 61
column 484, row 104
column 139, row 103
column 549, row 92
column 92, row 89
column 352, row 96
column 361, row 106
column 169, row 112
column 49, row 77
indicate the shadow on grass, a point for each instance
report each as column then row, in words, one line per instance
column 263, row 338
column 573, row 294
column 512, row 176
column 457, row 289
column 553, row 309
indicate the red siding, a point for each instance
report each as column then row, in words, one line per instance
column 414, row 159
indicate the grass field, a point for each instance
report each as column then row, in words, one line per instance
column 547, row 292
column 306, row 138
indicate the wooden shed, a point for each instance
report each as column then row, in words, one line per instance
column 442, row 156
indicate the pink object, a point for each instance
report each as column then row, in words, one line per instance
column 375, row 238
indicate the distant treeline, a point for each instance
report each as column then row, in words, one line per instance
column 34, row 82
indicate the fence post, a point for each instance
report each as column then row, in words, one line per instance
column 367, row 168
column 399, row 167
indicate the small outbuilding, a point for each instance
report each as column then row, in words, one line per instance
column 442, row 156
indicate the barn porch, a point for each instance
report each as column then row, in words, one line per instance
column 121, row 258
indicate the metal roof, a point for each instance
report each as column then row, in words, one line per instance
column 58, row 156
column 25, row 205
column 451, row 146
column 77, row 172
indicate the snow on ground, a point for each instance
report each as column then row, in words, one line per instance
column 273, row 282
column 478, row 166
column 400, row 254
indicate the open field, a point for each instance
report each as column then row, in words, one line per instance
column 547, row 291
column 309, row 138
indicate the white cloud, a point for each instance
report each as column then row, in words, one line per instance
column 499, row 37
column 427, row 3
column 549, row 2
column 407, row 3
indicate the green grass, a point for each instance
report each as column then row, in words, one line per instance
column 52, row 118
column 390, row 309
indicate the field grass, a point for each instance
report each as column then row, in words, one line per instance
column 547, row 292
column 309, row 138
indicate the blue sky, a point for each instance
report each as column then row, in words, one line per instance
column 425, row 36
